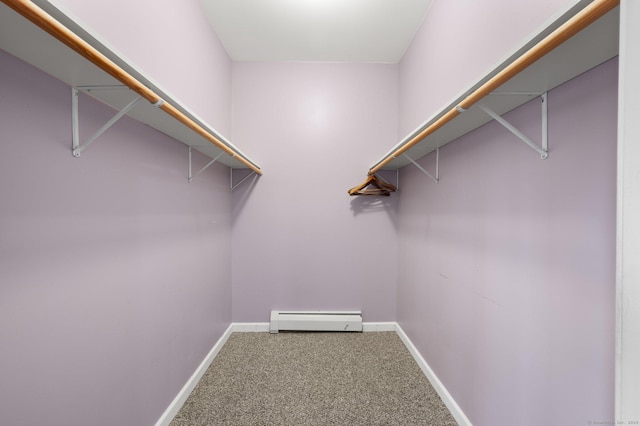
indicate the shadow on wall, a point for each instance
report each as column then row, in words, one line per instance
column 366, row 204
column 244, row 189
column 371, row 203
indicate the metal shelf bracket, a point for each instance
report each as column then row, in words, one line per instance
column 76, row 146
column 232, row 186
column 436, row 178
column 191, row 175
column 544, row 149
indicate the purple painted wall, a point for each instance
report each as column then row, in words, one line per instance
column 114, row 271
column 115, row 265
column 507, row 266
column 458, row 42
column 299, row 240
column 170, row 42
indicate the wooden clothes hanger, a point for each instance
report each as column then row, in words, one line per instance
column 379, row 187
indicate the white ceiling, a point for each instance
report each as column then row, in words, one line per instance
column 316, row 30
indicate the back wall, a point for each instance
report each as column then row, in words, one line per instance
column 299, row 241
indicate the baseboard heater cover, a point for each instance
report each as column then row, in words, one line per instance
column 315, row 321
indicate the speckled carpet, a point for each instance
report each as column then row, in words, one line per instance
column 313, row 379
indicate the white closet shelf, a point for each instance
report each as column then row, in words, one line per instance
column 589, row 47
column 24, row 39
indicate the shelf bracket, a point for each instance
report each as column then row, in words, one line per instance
column 544, row 150
column 232, row 186
column 76, row 146
column 191, row 176
column 436, row 178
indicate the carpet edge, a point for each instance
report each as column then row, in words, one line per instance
column 439, row 387
column 179, row 400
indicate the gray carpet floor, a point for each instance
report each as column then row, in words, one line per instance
column 313, row 379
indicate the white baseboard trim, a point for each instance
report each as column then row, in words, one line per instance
column 250, row 327
column 186, row 390
column 379, row 326
column 263, row 327
column 444, row 394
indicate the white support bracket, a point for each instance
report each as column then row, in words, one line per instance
column 191, row 176
column 76, row 146
column 544, row 150
column 231, row 185
column 436, row 178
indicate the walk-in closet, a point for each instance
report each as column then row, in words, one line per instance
column 260, row 212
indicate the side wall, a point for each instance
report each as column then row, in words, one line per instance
column 459, row 41
column 299, row 240
column 507, row 266
column 114, row 271
column 171, row 43
column 139, row 288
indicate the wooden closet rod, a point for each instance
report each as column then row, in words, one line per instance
column 578, row 22
column 45, row 21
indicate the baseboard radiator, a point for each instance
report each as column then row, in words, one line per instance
column 315, row 321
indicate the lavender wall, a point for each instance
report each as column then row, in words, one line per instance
column 172, row 43
column 507, row 267
column 458, row 42
column 299, row 241
column 139, row 286
column 114, row 271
